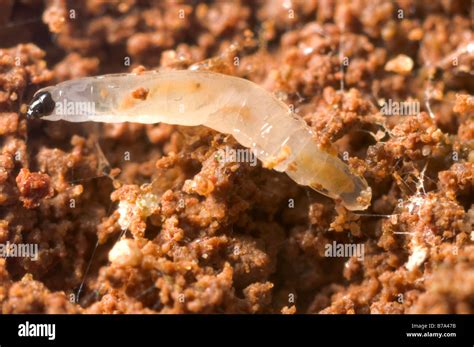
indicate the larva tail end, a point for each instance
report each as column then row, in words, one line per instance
column 359, row 202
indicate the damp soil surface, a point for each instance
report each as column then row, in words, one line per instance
column 239, row 238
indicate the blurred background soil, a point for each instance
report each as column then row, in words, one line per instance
column 236, row 238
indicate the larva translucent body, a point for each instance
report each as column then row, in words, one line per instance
column 231, row 105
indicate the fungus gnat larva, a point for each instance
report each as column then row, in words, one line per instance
column 228, row 104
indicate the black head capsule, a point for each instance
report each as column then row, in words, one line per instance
column 42, row 105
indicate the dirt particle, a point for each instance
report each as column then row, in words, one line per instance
column 401, row 64
column 140, row 93
column 33, row 187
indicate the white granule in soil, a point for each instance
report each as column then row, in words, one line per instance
column 125, row 253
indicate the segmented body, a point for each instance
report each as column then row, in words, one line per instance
column 231, row 105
